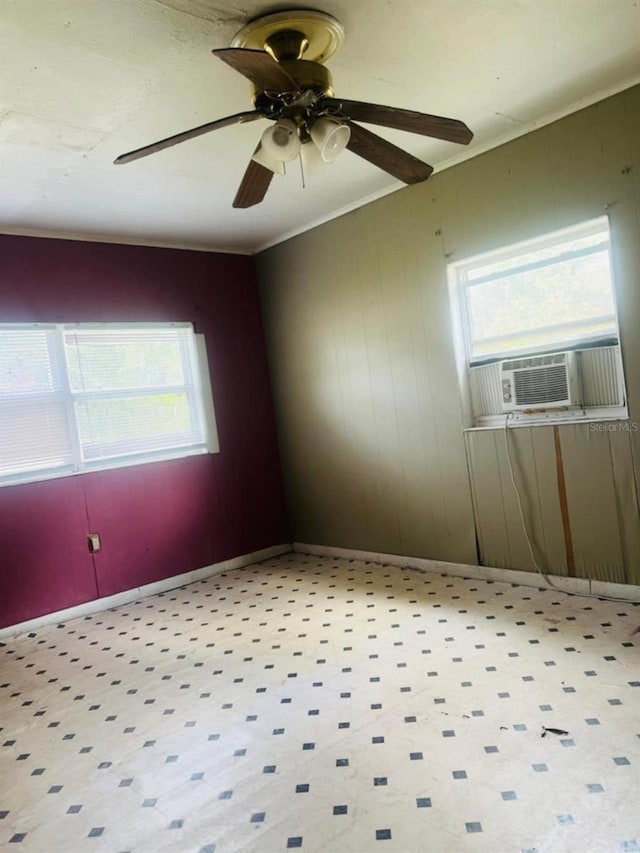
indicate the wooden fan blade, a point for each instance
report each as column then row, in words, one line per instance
column 250, row 115
column 441, row 128
column 254, row 185
column 386, row 156
column 257, row 66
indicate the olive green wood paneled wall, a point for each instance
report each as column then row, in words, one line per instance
column 370, row 414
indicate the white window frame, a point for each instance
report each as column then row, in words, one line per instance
column 459, row 285
column 196, row 386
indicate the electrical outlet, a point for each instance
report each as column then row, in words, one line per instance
column 93, row 540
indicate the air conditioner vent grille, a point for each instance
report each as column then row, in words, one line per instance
column 535, row 361
column 537, row 387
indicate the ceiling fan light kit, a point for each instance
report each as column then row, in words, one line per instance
column 281, row 141
column 263, row 159
column 311, row 159
column 282, row 55
column 330, row 136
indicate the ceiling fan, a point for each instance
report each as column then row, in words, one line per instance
column 296, row 94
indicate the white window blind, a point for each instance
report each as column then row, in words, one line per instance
column 34, row 430
column 83, row 397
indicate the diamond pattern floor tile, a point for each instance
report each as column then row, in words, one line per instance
column 317, row 704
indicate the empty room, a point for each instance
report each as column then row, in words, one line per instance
column 320, row 426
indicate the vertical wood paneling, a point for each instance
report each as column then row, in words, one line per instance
column 489, row 503
column 363, row 365
column 627, row 499
column 591, row 495
column 524, row 470
column 500, row 525
column 374, row 413
column 601, row 492
column 552, row 538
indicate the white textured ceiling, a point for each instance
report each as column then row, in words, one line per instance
column 85, row 80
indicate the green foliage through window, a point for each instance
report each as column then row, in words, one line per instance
column 552, row 293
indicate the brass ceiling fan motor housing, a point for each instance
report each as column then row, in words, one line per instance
column 286, row 45
column 301, row 41
column 288, row 48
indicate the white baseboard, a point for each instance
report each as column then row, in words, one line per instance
column 577, row 586
column 135, row 594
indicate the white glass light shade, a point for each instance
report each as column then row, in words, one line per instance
column 261, row 157
column 331, row 137
column 311, row 157
column 280, row 141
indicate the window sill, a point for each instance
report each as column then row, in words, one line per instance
column 599, row 416
column 61, row 474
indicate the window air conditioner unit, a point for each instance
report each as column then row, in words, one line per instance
column 540, row 382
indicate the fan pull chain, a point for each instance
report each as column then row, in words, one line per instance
column 304, row 184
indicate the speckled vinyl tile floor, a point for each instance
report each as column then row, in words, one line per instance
column 326, row 705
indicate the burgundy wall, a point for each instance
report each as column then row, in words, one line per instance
column 160, row 519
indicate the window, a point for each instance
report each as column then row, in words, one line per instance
column 546, row 296
column 551, row 293
column 83, row 397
